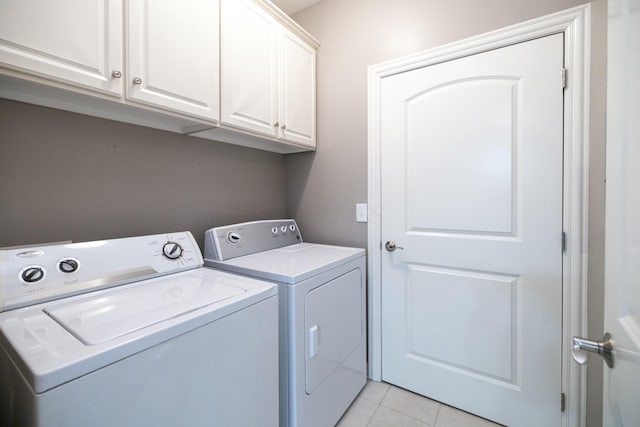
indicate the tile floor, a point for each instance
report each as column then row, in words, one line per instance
column 383, row 405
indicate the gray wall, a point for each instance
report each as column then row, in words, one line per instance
column 66, row 176
column 323, row 187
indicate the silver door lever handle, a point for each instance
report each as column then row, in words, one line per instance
column 391, row 246
column 603, row 348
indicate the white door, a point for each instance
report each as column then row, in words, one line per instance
column 622, row 269
column 471, row 164
column 173, row 55
column 75, row 42
column 297, row 86
column 249, row 66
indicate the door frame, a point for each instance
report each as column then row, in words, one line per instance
column 575, row 24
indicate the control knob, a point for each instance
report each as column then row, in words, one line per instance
column 172, row 250
column 68, row 265
column 233, row 237
column 32, row 274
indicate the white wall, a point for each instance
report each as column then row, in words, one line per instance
column 323, row 187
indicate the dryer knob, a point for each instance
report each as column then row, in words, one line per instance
column 172, row 250
column 233, row 237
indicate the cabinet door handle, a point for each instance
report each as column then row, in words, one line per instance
column 283, row 127
column 116, row 74
column 137, row 81
column 276, row 124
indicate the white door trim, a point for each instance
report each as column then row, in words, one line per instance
column 575, row 24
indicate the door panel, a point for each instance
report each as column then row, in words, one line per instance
column 332, row 335
column 482, row 172
column 174, row 51
column 438, row 296
column 622, row 269
column 248, row 55
column 472, row 193
column 297, row 87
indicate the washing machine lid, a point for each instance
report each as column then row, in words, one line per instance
column 48, row 341
column 99, row 319
column 290, row 264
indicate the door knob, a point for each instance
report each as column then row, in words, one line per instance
column 391, row 246
column 603, row 348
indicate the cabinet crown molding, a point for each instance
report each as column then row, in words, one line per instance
column 288, row 22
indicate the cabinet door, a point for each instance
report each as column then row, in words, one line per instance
column 70, row 41
column 297, row 84
column 173, row 51
column 249, row 49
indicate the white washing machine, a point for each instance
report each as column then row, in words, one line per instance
column 322, row 313
column 134, row 332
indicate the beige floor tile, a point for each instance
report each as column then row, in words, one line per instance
column 386, row 417
column 374, row 391
column 412, row 405
column 452, row 417
column 358, row 414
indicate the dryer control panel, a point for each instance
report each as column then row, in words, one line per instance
column 30, row 275
column 232, row 241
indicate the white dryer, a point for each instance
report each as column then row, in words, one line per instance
column 134, row 332
column 322, row 313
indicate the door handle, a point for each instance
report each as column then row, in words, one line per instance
column 313, row 341
column 604, row 348
column 391, row 246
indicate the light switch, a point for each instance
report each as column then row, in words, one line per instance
column 361, row 212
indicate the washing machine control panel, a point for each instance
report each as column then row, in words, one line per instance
column 232, row 241
column 36, row 274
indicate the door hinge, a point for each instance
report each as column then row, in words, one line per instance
column 564, row 241
column 563, row 402
column 564, row 78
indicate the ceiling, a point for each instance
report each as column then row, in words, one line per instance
column 292, row 6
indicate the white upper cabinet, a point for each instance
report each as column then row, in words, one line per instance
column 249, row 66
column 171, row 51
column 297, row 87
column 173, row 55
column 73, row 42
column 237, row 71
column 268, row 74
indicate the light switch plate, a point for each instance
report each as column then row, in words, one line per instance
column 361, row 212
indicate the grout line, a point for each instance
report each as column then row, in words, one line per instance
column 372, row 414
column 379, row 404
column 435, row 421
column 419, row 421
column 385, row 394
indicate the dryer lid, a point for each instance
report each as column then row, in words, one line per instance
column 102, row 318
